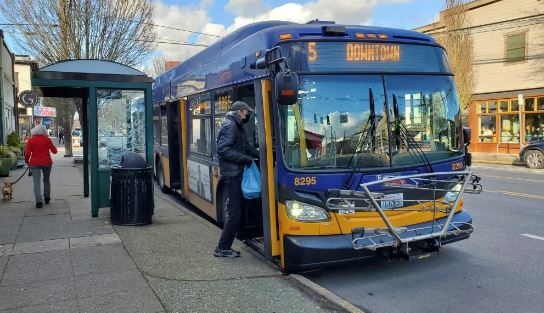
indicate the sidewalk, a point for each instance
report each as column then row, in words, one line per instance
column 495, row 158
column 59, row 259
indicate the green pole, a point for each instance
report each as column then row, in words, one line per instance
column 94, row 150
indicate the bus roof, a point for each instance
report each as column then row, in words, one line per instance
column 228, row 60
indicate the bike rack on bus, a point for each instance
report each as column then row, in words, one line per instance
column 436, row 192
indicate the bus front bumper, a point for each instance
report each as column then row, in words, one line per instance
column 310, row 252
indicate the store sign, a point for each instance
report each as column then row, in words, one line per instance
column 46, row 121
column 28, row 98
column 45, row 111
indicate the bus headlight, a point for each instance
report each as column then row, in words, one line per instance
column 452, row 195
column 303, row 212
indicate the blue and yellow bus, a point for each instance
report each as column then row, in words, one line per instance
column 362, row 151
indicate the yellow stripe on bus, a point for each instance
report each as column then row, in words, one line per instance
column 183, row 130
column 274, row 244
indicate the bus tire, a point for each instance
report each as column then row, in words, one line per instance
column 534, row 159
column 160, row 178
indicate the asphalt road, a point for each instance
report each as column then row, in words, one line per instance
column 499, row 269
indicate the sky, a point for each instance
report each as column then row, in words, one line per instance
column 220, row 17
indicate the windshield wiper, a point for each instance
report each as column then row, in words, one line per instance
column 401, row 130
column 370, row 123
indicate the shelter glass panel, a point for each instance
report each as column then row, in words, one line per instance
column 121, row 124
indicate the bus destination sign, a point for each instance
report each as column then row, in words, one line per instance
column 362, row 52
column 357, row 56
column 365, row 52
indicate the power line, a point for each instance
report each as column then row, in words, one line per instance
column 28, row 24
column 113, row 16
column 181, row 29
column 156, row 40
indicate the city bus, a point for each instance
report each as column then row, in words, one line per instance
column 361, row 147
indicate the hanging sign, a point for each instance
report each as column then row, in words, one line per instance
column 28, row 98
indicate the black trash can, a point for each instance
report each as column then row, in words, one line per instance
column 132, row 201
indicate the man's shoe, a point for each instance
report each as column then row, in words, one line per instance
column 47, row 200
column 226, row 253
column 237, row 252
column 39, row 205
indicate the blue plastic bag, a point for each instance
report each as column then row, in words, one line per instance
column 251, row 182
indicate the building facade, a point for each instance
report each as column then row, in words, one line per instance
column 507, row 109
column 7, row 91
column 24, row 66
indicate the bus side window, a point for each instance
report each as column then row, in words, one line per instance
column 247, row 95
column 164, row 127
column 156, row 124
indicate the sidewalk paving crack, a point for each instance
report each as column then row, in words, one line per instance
column 211, row 280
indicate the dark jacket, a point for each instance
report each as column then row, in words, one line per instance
column 233, row 148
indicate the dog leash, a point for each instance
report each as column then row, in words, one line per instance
column 18, row 179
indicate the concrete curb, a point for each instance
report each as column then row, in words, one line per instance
column 326, row 294
column 493, row 162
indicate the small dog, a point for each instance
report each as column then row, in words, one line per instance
column 7, row 191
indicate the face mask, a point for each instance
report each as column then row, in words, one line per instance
column 245, row 119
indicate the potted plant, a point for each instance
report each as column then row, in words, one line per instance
column 14, row 145
column 5, row 162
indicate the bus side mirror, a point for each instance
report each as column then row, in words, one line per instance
column 467, row 133
column 286, row 88
column 466, row 139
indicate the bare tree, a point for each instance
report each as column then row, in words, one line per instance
column 458, row 42
column 156, row 66
column 65, row 118
column 55, row 30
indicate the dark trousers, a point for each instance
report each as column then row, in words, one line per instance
column 36, row 177
column 232, row 209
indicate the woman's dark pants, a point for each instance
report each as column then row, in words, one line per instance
column 232, row 210
column 36, row 176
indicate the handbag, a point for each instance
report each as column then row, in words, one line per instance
column 251, row 182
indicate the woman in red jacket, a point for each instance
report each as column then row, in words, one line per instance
column 39, row 160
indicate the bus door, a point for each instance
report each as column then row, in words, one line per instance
column 174, row 144
column 251, row 219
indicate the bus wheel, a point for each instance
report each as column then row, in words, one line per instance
column 534, row 159
column 160, row 179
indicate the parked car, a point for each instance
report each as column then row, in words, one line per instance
column 76, row 138
column 532, row 155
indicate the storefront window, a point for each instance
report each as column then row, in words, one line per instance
column 121, row 124
column 487, row 131
column 529, row 104
column 514, row 105
column 534, row 127
column 540, row 103
column 492, row 107
column 504, row 105
column 510, row 128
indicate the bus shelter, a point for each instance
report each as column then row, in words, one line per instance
column 116, row 115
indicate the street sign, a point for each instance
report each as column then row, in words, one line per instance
column 28, row 98
column 46, row 121
column 45, row 111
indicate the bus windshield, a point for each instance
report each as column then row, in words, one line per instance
column 370, row 121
